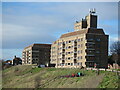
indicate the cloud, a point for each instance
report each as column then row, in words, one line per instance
column 27, row 23
column 15, row 36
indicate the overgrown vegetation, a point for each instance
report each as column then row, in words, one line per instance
column 28, row 77
column 110, row 80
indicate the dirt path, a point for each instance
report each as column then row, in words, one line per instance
column 92, row 82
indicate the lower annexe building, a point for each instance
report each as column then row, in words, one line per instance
column 36, row 54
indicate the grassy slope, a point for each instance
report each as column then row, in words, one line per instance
column 27, row 77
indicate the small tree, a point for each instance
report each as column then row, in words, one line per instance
column 115, row 51
column 110, row 60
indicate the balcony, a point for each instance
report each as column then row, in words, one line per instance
column 63, row 46
column 63, row 57
column 75, row 61
column 75, row 56
column 63, row 53
column 89, row 64
column 75, row 44
column 88, row 48
column 63, row 61
column 90, row 42
column 75, row 51
column 63, row 49
column 35, row 51
column 90, row 55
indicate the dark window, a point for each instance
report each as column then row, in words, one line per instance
column 78, row 40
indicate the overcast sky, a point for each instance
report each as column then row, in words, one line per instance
column 27, row 23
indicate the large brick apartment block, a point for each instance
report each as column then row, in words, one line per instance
column 87, row 46
column 36, row 54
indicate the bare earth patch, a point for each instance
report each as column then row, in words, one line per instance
column 92, row 82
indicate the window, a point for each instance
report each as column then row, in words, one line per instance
column 68, row 63
column 69, row 41
column 98, row 39
column 71, row 64
column 90, row 51
column 53, row 47
column 78, row 46
column 91, row 39
column 75, row 63
column 68, row 52
column 98, row 45
column 68, row 58
column 63, row 42
column 81, row 39
column 66, row 48
column 71, row 57
column 79, row 58
column 97, row 51
column 66, row 42
column 78, row 40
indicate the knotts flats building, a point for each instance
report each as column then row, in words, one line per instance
column 86, row 46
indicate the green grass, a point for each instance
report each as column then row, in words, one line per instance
column 25, row 77
column 110, row 80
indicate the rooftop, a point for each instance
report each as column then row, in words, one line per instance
column 86, row 31
column 36, row 44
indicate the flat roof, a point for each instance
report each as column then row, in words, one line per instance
column 37, row 44
column 84, row 31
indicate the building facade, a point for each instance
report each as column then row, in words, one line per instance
column 87, row 46
column 17, row 61
column 36, row 54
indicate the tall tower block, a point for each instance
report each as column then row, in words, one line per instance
column 90, row 21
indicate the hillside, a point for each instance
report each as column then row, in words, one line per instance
column 28, row 77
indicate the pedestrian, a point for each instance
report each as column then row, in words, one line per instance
column 79, row 74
